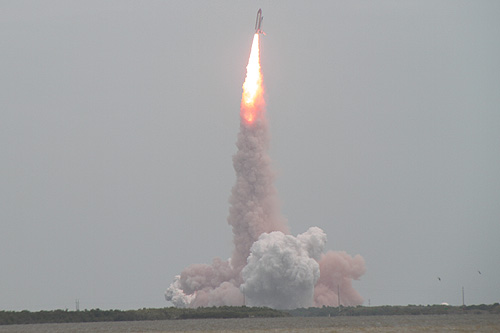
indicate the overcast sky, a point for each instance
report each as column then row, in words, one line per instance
column 118, row 122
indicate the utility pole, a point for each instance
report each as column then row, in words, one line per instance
column 338, row 295
column 77, row 304
column 463, row 298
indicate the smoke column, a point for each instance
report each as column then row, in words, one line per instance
column 268, row 267
column 254, row 208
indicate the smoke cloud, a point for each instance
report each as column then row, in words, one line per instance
column 268, row 266
column 282, row 271
column 338, row 270
column 254, row 205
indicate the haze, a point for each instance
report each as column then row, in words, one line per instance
column 118, row 122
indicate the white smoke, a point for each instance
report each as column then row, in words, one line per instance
column 176, row 295
column 282, row 271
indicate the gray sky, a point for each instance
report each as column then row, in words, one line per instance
column 118, row 121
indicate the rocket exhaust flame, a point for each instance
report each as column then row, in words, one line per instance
column 301, row 275
column 252, row 100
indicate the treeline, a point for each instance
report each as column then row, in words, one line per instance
column 387, row 310
column 98, row 315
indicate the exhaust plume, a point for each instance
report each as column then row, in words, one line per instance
column 338, row 269
column 268, row 267
column 282, row 271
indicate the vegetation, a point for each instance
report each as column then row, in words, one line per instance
column 387, row 310
column 94, row 315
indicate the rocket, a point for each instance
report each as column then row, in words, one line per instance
column 258, row 22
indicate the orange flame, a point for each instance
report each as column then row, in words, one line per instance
column 252, row 101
